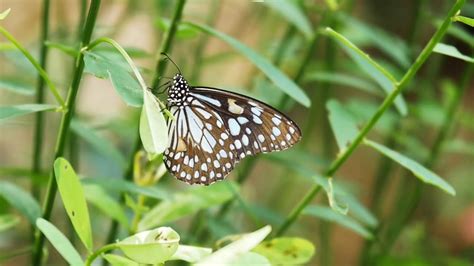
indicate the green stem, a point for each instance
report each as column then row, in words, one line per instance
column 64, row 127
column 138, row 215
column 374, row 119
column 166, row 45
column 98, row 252
column 39, row 121
column 38, row 67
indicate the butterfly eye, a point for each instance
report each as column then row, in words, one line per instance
column 214, row 129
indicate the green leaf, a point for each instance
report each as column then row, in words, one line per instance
column 370, row 67
column 59, row 242
column 190, row 254
column 334, row 201
column 359, row 211
column 327, row 214
column 5, row 13
column 108, row 205
column 274, row 74
column 344, row 80
column 460, row 33
column 452, row 51
column 186, row 203
column 342, row 123
column 120, row 185
column 67, row 49
column 101, row 144
column 251, row 258
column 7, row 112
column 153, row 128
column 183, row 32
column 116, row 260
column 20, row 200
column 234, row 250
column 111, row 65
column 465, row 20
column 293, row 14
column 72, row 195
column 417, row 169
column 459, row 146
column 286, row 250
column 152, row 246
column 390, row 45
column 16, row 85
column 8, row 221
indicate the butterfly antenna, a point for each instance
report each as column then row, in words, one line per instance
column 169, row 58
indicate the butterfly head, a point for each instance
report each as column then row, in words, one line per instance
column 178, row 91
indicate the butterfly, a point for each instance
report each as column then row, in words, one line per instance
column 213, row 129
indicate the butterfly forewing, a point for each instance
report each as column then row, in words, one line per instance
column 213, row 130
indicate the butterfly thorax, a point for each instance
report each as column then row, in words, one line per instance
column 178, row 91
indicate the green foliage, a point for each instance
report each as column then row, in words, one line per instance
column 20, row 200
column 452, row 51
column 342, row 124
column 72, row 195
column 153, row 130
column 286, row 250
column 8, row 112
column 17, row 85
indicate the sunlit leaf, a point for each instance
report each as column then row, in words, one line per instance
column 328, row 214
column 465, row 20
column 116, row 260
column 342, row 123
column 293, row 14
column 107, row 65
column 232, row 251
column 7, row 112
column 182, row 32
column 5, row 13
column 101, row 144
column 190, row 253
column 153, row 129
column 105, row 203
column 16, row 85
column 8, row 221
column 185, row 203
column 251, row 258
column 20, row 200
column 273, row 73
column 286, row 250
column 370, row 67
column 452, row 51
column 152, row 246
column 72, row 195
column 417, row 169
column 59, row 242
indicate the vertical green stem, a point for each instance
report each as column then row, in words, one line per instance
column 374, row 119
column 160, row 69
column 39, row 118
column 64, row 127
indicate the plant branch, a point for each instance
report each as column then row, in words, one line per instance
column 374, row 119
column 64, row 127
column 98, row 252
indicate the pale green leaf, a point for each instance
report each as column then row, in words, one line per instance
column 190, row 253
column 7, row 112
column 18, row 86
column 120, row 185
column 345, row 80
column 186, row 203
column 465, row 20
column 59, row 242
column 452, row 51
column 286, row 250
column 293, row 14
column 342, row 123
column 182, row 32
column 417, row 169
column 20, row 200
column 232, row 251
column 5, row 13
column 274, row 74
column 105, row 203
column 116, row 260
column 72, row 195
column 328, row 214
column 386, row 81
column 153, row 128
column 8, row 221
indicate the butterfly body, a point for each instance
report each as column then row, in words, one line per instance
column 213, row 129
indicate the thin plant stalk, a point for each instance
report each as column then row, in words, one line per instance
column 39, row 117
column 160, row 69
column 64, row 127
column 443, row 134
column 423, row 56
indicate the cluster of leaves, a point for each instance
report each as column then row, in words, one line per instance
column 154, row 206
